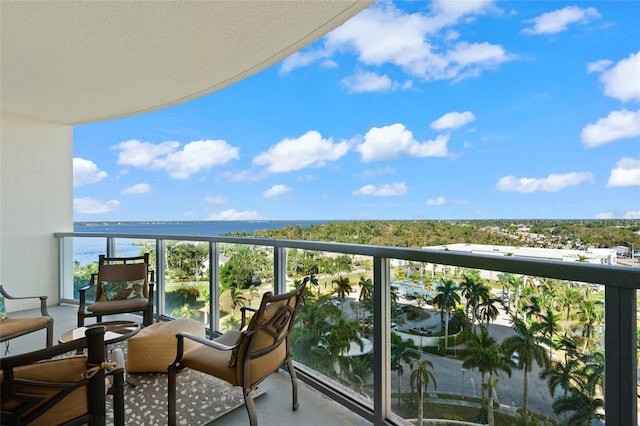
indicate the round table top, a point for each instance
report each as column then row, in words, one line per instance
column 115, row 331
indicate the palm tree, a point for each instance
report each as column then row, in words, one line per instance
column 583, row 403
column 184, row 311
column 446, row 299
column 359, row 372
column 338, row 340
column 568, row 298
column 237, row 299
column 487, row 311
column 420, row 378
column 525, row 342
column 253, row 293
column 366, row 288
column 516, row 282
column 563, row 374
column 313, row 280
column 477, row 355
column 497, row 360
column 402, row 351
column 549, row 328
column 470, row 290
column 343, row 289
column 590, row 315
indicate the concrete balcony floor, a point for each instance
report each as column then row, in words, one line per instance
column 274, row 407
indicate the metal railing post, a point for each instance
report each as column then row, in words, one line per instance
column 214, row 287
column 381, row 339
column 280, row 269
column 620, row 378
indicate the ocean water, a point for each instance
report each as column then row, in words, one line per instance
column 87, row 250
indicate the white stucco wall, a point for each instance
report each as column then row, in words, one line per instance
column 36, row 190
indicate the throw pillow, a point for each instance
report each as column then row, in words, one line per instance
column 3, row 309
column 121, row 290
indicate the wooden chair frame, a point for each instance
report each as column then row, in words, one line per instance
column 26, row 325
column 251, row 355
column 108, row 266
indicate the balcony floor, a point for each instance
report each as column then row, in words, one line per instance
column 274, row 408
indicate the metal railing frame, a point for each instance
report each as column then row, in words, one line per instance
column 620, row 283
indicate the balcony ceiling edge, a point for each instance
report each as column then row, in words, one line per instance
column 77, row 62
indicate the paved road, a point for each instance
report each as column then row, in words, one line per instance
column 451, row 379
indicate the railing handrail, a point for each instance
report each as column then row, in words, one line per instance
column 610, row 275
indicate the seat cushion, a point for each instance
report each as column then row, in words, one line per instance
column 11, row 326
column 125, row 305
column 154, row 347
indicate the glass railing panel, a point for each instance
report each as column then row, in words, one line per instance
column 86, row 251
column 333, row 335
column 185, row 293
column 85, row 262
column 465, row 335
column 246, row 273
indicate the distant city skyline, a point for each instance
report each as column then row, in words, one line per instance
column 410, row 110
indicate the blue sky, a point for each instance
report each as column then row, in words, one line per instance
column 410, row 110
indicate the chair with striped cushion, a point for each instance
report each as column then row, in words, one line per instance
column 16, row 326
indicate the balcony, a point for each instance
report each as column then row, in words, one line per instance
column 374, row 401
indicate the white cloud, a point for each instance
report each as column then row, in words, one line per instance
column 605, row 215
column 598, row 66
column 195, row 157
column 632, row 214
column 470, row 59
column 276, row 190
column 142, row 154
column 551, row 183
column 180, row 164
column 215, row 199
column 385, row 190
column 622, row 81
column 363, row 82
column 88, row 205
column 139, row 188
column 384, row 34
column 371, row 173
column 558, row 20
column 86, row 172
column 626, row 173
column 300, row 59
column 308, row 150
column 245, row 176
column 232, row 214
column 438, row 201
column 453, row 120
column 617, row 125
column 389, row 142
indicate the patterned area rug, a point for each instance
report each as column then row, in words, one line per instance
column 200, row 399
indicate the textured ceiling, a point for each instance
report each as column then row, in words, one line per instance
column 75, row 62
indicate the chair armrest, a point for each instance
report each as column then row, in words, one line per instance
column 82, row 292
column 210, row 343
column 203, row 341
column 243, row 311
column 43, row 300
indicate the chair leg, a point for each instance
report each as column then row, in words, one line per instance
column 251, row 407
column 50, row 334
column 294, row 383
column 171, row 394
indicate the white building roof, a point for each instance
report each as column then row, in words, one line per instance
column 594, row 255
